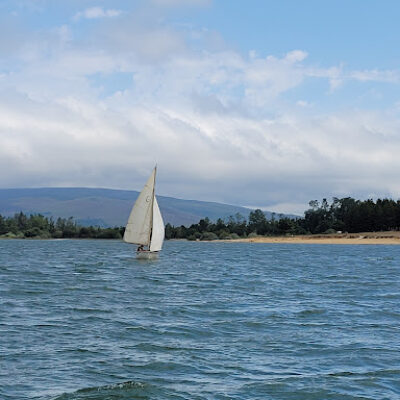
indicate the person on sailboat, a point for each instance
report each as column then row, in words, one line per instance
column 140, row 248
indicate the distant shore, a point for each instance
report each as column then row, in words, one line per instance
column 391, row 237
column 372, row 238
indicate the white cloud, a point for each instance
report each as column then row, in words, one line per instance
column 303, row 103
column 376, row 76
column 296, row 56
column 96, row 12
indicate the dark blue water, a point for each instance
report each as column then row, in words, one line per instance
column 85, row 320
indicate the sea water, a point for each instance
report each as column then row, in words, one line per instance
column 86, row 320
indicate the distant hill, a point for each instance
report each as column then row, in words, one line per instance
column 107, row 207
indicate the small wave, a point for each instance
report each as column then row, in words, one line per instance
column 378, row 373
column 121, row 385
column 90, row 310
column 151, row 347
column 311, row 311
column 170, row 367
column 123, row 390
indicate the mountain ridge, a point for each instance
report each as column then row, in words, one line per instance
column 108, row 207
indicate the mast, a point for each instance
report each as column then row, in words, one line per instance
column 151, row 206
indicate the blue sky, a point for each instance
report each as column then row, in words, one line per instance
column 260, row 103
column 360, row 33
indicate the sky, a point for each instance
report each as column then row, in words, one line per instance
column 261, row 103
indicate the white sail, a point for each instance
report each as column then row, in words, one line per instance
column 138, row 228
column 157, row 234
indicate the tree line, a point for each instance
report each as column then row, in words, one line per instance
column 350, row 215
column 40, row 227
column 339, row 215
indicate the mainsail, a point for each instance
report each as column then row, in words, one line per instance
column 145, row 224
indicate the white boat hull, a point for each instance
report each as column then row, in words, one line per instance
column 147, row 255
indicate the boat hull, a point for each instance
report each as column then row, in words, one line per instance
column 147, row 255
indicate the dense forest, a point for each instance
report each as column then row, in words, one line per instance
column 341, row 215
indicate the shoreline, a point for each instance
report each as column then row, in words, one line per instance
column 364, row 238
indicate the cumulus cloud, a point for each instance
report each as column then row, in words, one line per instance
column 222, row 126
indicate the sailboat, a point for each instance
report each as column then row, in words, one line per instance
column 145, row 225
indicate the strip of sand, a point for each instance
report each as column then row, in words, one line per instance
column 359, row 238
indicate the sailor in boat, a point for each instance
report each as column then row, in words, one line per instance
column 140, row 248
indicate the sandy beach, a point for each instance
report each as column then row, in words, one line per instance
column 392, row 237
